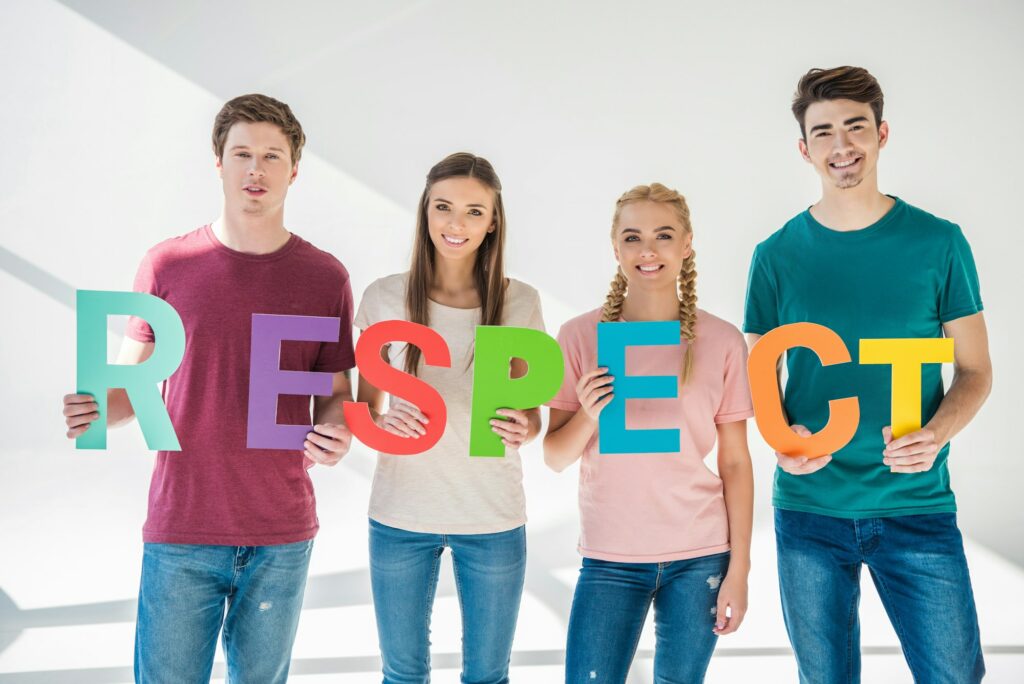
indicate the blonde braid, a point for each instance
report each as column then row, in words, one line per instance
column 688, row 310
column 612, row 309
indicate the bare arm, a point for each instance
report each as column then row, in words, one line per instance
column 80, row 410
column 330, row 439
column 972, row 382
column 569, row 431
column 738, row 483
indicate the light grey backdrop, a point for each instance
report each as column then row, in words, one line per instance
column 106, row 111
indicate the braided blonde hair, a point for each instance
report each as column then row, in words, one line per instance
column 686, row 280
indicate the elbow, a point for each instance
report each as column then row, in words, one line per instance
column 551, row 458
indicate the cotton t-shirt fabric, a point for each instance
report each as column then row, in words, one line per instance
column 648, row 508
column 901, row 277
column 215, row 490
column 444, row 490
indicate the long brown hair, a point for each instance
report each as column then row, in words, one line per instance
column 488, row 269
column 686, row 281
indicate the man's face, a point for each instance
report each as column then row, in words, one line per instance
column 842, row 141
column 256, row 168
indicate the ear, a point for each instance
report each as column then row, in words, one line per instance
column 689, row 247
column 220, row 167
column 802, row 146
column 883, row 134
column 295, row 172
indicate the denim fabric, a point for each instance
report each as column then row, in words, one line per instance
column 190, row 592
column 610, row 606
column 489, row 573
column 918, row 566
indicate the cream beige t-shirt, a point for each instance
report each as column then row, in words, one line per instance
column 444, row 490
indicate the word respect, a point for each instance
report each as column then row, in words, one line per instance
column 493, row 386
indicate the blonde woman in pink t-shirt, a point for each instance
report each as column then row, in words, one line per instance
column 656, row 528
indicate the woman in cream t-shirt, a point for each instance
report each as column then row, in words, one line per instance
column 443, row 497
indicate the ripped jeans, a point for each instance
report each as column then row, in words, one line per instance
column 189, row 592
column 611, row 604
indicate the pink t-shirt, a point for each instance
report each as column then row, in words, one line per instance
column 648, row 508
column 215, row 490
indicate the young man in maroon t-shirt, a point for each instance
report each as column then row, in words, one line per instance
column 229, row 529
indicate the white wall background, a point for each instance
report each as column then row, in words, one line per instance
column 105, row 113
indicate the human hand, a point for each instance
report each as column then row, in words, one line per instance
column 513, row 432
column 327, row 443
column 594, row 391
column 913, row 453
column 732, row 603
column 802, row 465
column 80, row 410
column 403, row 419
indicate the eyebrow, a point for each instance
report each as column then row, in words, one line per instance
column 442, row 199
column 656, row 230
column 828, row 126
column 245, row 147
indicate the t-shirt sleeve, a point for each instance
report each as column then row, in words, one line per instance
column 961, row 292
column 761, row 310
column 145, row 281
column 335, row 357
column 735, row 404
column 367, row 314
column 571, row 343
column 535, row 317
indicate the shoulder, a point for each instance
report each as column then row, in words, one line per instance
column 519, row 292
column 781, row 239
column 168, row 251
column 724, row 332
column 931, row 226
column 581, row 326
column 321, row 261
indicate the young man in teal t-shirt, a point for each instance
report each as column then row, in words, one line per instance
column 869, row 265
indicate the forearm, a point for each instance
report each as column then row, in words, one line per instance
column 564, row 446
column 119, row 408
column 738, row 484
column 330, row 410
column 966, row 395
column 532, row 425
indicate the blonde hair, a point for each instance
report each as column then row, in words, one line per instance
column 686, row 280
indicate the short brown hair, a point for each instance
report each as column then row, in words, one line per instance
column 255, row 108
column 839, row 83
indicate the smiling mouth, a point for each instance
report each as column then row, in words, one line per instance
column 454, row 242
column 648, row 269
column 843, row 164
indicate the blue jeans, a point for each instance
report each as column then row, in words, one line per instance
column 610, row 607
column 918, row 566
column 182, row 598
column 489, row 574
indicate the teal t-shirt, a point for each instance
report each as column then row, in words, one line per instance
column 902, row 277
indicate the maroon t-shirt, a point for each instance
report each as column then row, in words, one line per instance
column 215, row 490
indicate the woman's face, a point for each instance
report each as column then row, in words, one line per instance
column 650, row 244
column 460, row 214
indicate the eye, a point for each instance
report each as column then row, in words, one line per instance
column 272, row 156
column 857, row 127
column 632, row 238
column 441, row 206
column 242, row 154
column 664, row 235
column 822, row 134
column 475, row 212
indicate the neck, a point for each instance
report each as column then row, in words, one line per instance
column 453, row 277
column 658, row 305
column 251, row 233
column 848, row 209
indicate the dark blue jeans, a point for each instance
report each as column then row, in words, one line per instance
column 490, row 570
column 611, row 604
column 189, row 592
column 918, row 566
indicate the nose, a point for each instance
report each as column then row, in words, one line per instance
column 841, row 140
column 255, row 169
